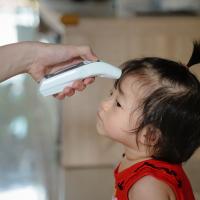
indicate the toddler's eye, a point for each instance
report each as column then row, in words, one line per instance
column 111, row 93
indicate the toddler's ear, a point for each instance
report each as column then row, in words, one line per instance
column 149, row 135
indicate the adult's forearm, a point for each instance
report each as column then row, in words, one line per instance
column 14, row 58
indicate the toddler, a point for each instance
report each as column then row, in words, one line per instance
column 154, row 111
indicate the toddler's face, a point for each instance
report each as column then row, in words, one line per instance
column 119, row 113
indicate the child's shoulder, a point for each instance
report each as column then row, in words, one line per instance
column 153, row 178
column 150, row 187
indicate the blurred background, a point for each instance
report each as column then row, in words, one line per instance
column 49, row 149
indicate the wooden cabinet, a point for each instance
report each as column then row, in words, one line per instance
column 115, row 41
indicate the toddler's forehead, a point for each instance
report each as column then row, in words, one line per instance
column 134, row 86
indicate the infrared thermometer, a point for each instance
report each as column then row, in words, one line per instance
column 56, row 82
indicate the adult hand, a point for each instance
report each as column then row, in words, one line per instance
column 50, row 58
column 39, row 59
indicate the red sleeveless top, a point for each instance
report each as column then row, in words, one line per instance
column 171, row 174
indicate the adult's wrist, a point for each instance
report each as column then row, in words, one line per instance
column 31, row 52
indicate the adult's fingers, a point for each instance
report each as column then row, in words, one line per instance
column 89, row 80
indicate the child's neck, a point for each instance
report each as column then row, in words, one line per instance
column 136, row 154
column 131, row 157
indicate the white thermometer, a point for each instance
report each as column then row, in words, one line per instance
column 56, row 82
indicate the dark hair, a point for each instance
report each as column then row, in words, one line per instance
column 171, row 105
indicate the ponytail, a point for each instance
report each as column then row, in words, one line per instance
column 195, row 57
